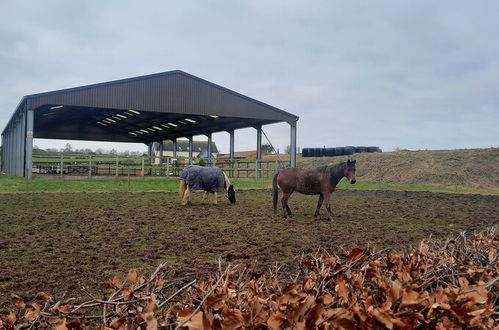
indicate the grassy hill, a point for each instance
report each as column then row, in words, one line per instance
column 471, row 168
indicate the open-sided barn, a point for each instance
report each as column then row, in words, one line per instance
column 145, row 109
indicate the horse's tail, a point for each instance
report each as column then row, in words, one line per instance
column 275, row 192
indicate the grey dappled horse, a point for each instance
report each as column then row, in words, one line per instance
column 209, row 179
column 322, row 181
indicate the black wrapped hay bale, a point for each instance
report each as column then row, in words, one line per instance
column 339, row 151
column 349, row 150
column 330, row 152
column 359, row 150
column 373, row 149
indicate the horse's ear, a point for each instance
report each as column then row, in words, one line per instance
column 353, row 161
column 231, row 187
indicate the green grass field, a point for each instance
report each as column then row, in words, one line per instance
column 70, row 184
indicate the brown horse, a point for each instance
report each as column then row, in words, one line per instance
column 322, row 181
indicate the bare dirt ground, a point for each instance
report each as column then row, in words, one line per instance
column 73, row 242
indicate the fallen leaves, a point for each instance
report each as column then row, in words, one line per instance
column 441, row 284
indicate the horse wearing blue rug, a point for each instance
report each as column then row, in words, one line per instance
column 209, row 179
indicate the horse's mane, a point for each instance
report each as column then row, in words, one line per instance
column 324, row 168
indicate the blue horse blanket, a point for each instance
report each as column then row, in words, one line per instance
column 204, row 178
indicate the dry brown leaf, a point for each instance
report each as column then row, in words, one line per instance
column 476, row 294
column 409, row 297
column 116, row 323
column 232, row 319
column 492, row 254
column 402, row 323
column 308, row 283
column 485, row 312
column 64, row 308
column 341, row 289
column 61, row 326
column 276, row 320
column 357, row 253
column 43, row 296
column 216, row 301
column 132, row 276
column 463, row 282
column 395, row 290
column 11, row 318
column 306, row 304
column 117, row 282
column 326, row 299
column 127, row 294
column 151, row 321
column 148, row 313
column 33, row 311
column 19, row 302
column 383, row 318
column 315, row 317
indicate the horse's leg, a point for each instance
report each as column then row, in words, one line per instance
column 187, row 197
column 205, row 195
column 319, row 204
column 284, row 202
column 285, row 206
column 327, row 205
column 216, row 197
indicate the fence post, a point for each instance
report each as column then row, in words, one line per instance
column 143, row 167
column 116, row 165
column 90, row 165
column 257, row 171
column 61, row 168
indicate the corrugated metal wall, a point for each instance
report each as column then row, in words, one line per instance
column 13, row 145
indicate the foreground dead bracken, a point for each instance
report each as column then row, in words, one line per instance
column 442, row 284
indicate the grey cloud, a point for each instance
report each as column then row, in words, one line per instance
column 398, row 74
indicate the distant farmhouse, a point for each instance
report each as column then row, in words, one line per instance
column 199, row 149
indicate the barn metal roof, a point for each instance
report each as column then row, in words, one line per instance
column 145, row 109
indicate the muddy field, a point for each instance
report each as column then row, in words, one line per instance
column 73, row 242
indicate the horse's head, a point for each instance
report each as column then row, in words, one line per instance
column 231, row 194
column 350, row 171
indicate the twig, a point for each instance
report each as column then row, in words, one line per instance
column 202, row 301
column 176, row 293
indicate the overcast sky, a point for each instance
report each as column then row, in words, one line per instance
column 407, row 74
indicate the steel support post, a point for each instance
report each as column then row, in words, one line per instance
column 258, row 172
column 174, row 157
column 191, row 145
column 292, row 146
column 149, row 158
column 231, row 153
column 29, row 144
column 209, row 149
